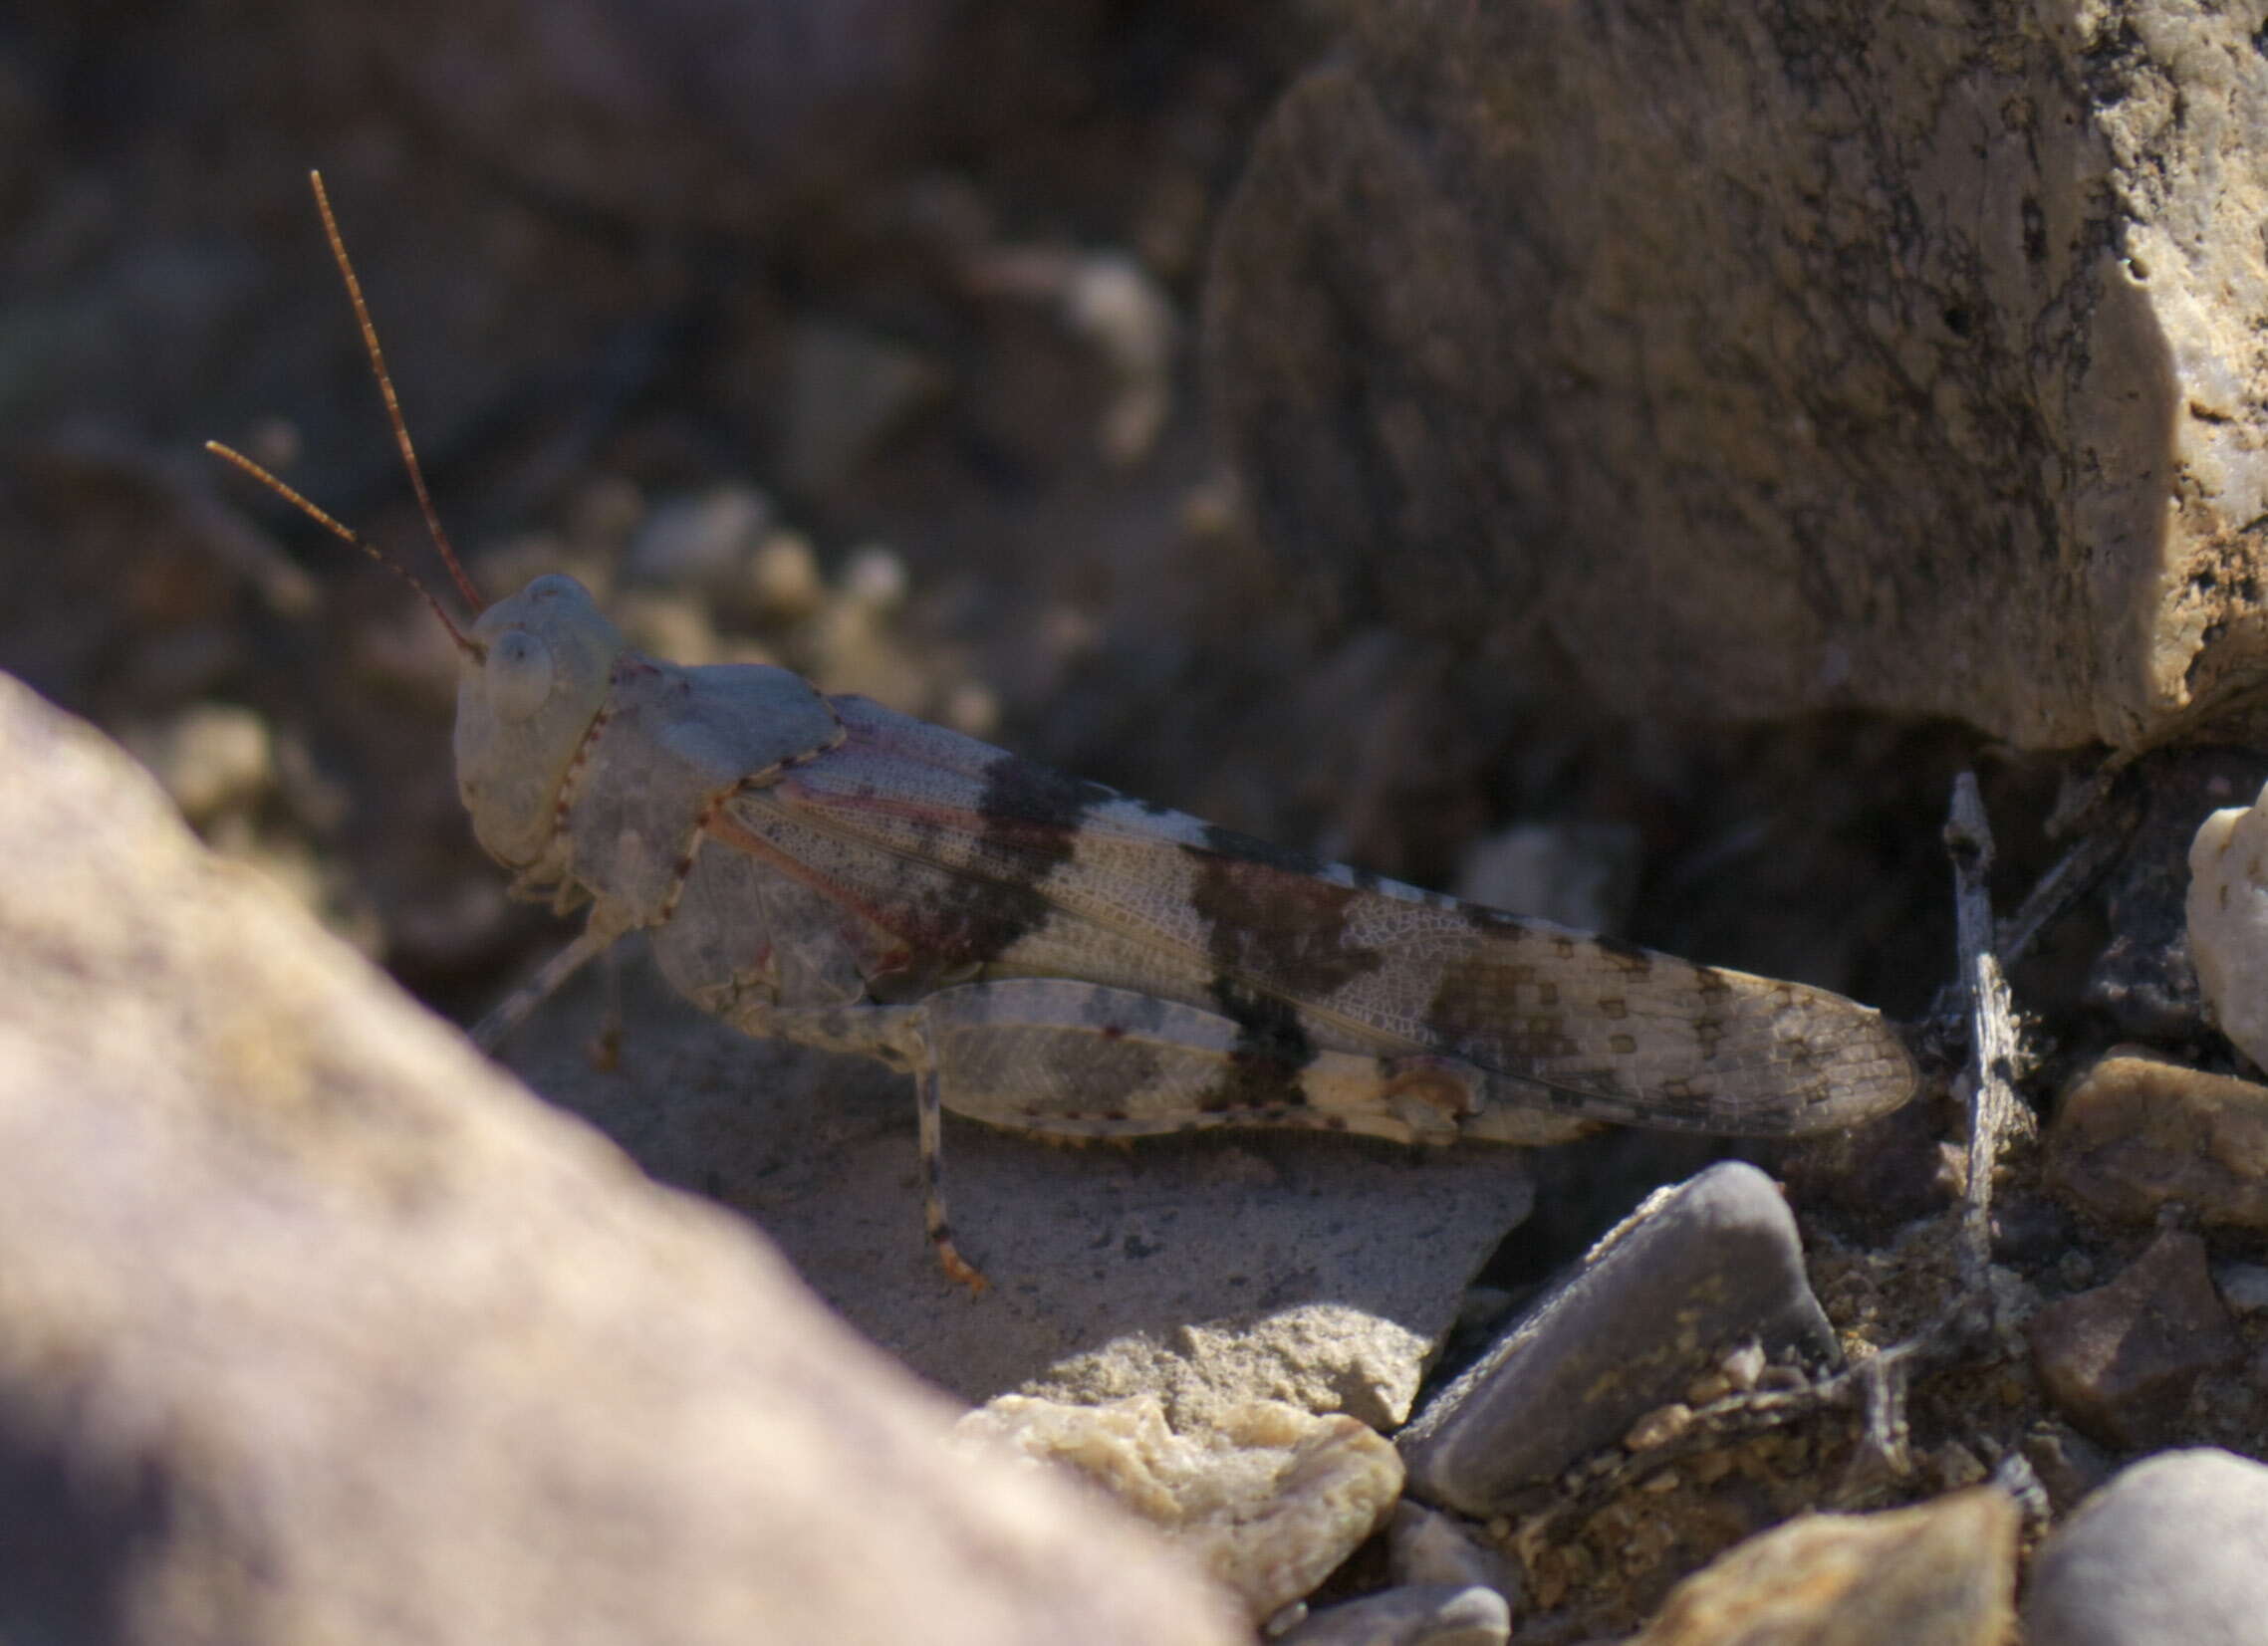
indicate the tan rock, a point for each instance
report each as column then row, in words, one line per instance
column 1942, row 1572
column 2137, row 1132
column 1928, row 381
column 1269, row 1502
column 317, row 1327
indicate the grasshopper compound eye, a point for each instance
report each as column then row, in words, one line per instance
column 520, row 674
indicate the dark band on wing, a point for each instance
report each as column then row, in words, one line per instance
column 1029, row 819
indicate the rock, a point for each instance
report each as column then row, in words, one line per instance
column 1426, row 1546
column 321, row 1329
column 211, row 757
column 705, row 543
column 1691, row 1274
column 1942, row 1572
column 2145, row 978
column 2120, row 1361
column 1269, row 1503
column 1586, row 312
column 2064, row 1461
column 2228, row 922
column 2137, row 1132
column 2243, row 1286
column 1424, row 1615
column 2170, row 1550
column 1209, row 1271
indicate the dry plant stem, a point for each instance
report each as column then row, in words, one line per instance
column 1996, row 1117
column 2074, row 876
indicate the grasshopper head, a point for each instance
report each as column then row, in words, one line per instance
column 529, row 685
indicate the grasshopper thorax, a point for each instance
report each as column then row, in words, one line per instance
column 529, row 687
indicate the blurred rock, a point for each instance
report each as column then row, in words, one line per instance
column 1691, row 1274
column 209, row 759
column 319, row 1329
column 1429, row 1614
column 705, row 543
column 1579, row 876
column 1942, row 1572
column 2137, row 1132
column 1926, row 385
column 2228, row 922
column 688, row 113
column 2170, row 1550
column 1269, row 1500
column 2120, row 1361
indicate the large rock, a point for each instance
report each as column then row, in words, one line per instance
column 1775, row 360
column 319, row 1329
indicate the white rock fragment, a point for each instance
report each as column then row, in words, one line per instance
column 1270, row 1500
column 2228, row 922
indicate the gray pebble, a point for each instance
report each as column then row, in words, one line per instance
column 2174, row 1549
column 2243, row 1286
column 1424, row 1545
column 1694, row 1270
column 1426, row 1614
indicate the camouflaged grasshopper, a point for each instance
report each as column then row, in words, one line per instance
column 1045, row 954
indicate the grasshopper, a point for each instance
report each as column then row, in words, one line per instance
column 1045, row 954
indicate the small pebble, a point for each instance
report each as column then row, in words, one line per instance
column 1426, row 1616
column 1713, row 1262
column 1424, row 1545
column 875, row 578
column 783, row 583
column 1659, row 1426
column 1743, row 1366
column 2243, row 1286
column 702, row 543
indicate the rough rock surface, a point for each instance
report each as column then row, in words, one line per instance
column 1942, row 1572
column 1698, row 1270
column 317, row 1329
column 2170, row 1550
column 2121, row 1360
column 1211, row 1270
column 1269, row 1500
column 1775, row 360
column 2137, row 1132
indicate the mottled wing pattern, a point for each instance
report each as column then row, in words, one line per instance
column 988, row 865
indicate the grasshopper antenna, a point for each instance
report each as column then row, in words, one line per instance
column 392, row 405
column 236, row 459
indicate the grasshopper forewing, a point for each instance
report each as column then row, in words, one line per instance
column 1045, row 954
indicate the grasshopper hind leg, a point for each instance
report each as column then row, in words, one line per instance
column 934, row 1220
